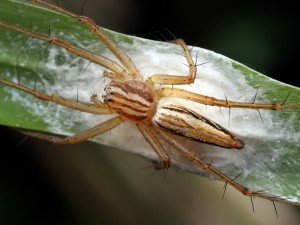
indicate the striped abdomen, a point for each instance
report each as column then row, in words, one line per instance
column 187, row 123
column 133, row 100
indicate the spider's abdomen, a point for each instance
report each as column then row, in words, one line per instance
column 187, row 123
column 133, row 100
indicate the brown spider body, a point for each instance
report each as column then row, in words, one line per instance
column 187, row 123
column 136, row 101
column 133, row 100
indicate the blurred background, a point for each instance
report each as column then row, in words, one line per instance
column 87, row 184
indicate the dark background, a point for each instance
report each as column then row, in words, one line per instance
column 262, row 35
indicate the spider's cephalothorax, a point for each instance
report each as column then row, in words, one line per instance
column 133, row 100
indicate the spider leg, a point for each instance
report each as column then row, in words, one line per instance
column 151, row 138
column 77, row 138
column 99, row 108
column 84, row 53
column 176, row 79
column 197, row 160
column 207, row 100
column 105, row 39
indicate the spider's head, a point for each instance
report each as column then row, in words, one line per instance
column 134, row 100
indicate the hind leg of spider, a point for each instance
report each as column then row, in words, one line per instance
column 193, row 157
column 152, row 139
column 207, row 100
column 83, row 136
column 105, row 39
column 176, row 79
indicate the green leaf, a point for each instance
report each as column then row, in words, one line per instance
column 270, row 160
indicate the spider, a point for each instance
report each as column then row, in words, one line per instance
column 136, row 100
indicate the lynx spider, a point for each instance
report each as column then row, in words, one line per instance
column 135, row 100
